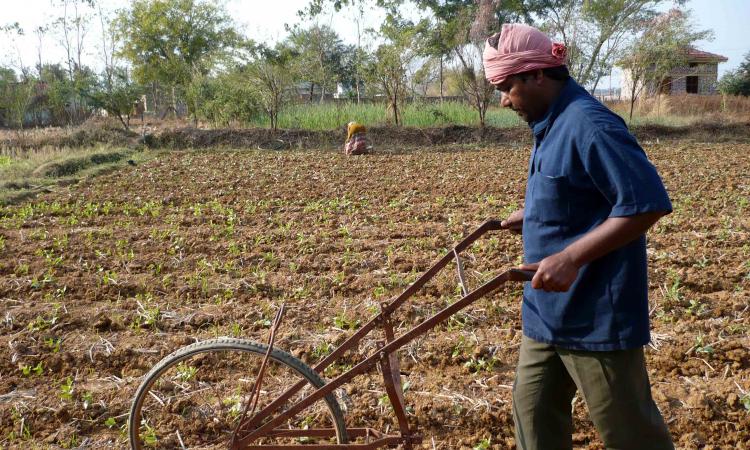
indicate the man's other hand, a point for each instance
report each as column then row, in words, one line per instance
column 555, row 273
column 514, row 222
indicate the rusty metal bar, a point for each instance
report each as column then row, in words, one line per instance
column 324, row 432
column 390, row 367
column 460, row 268
column 378, row 443
column 489, row 225
column 370, row 361
column 252, row 402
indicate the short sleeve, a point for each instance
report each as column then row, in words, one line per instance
column 621, row 171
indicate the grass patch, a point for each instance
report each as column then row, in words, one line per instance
column 25, row 173
column 328, row 116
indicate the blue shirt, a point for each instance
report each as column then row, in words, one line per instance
column 585, row 168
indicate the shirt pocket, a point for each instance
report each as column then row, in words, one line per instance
column 550, row 202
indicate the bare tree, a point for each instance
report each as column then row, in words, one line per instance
column 661, row 48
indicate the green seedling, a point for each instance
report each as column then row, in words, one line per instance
column 745, row 400
column 37, row 370
column 322, row 350
column 235, row 330
column 149, row 435
column 379, row 291
column 459, row 348
column 701, row 347
column 185, row 373
column 40, row 323
column 481, row 364
column 457, row 322
column 696, row 308
column 22, row 269
column 344, row 323
column 110, row 422
column 47, row 278
column 235, row 405
column 484, row 444
column 23, row 427
column 66, row 389
column 88, row 399
column 53, row 344
column 673, row 293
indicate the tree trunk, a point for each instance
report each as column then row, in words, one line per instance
column 441, row 79
column 124, row 124
column 174, row 102
column 484, row 20
column 633, row 91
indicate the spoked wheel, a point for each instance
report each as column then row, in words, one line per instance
column 194, row 398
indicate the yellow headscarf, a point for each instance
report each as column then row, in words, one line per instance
column 354, row 128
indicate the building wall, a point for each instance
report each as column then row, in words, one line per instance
column 707, row 78
column 707, row 74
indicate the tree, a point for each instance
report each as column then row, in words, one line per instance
column 172, row 41
column 737, row 82
column 72, row 26
column 661, row 48
column 321, row 57
column 388, row 71
column 116, row 93
column 226, row 98
column 596, row 31
column 15, row 97
column 270, row 79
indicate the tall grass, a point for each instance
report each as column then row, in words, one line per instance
column 328, row 116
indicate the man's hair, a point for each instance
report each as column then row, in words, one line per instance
column 494, row 40
column 559, row 73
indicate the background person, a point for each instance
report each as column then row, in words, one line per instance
column 356, row 139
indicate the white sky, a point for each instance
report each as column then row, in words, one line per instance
column 264, row 20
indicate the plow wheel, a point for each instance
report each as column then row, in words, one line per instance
column 195, row 397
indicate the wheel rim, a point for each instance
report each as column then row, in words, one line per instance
column 195, row 400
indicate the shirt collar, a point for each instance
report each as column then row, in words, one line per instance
column 566, row 95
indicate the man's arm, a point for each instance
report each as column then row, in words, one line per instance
column 558, row 272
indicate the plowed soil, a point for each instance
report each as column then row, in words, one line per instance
column 101, row 280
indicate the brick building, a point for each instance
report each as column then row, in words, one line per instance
column 700, row 76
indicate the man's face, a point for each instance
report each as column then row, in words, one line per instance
column 523, row 95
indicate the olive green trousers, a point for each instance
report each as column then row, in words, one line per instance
column 614, row 385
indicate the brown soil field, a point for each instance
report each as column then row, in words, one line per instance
column 100, row 280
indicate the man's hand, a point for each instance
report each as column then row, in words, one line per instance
column 555, row 273
column 514, row 222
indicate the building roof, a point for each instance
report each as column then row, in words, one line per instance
column 695, row 55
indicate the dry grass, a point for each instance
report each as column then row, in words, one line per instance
column 26, row 172
column 682, row 110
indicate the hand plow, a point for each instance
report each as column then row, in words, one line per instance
column 229, row 393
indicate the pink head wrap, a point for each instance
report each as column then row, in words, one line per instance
column 520, row 48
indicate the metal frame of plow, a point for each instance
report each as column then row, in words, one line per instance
column 254, row 427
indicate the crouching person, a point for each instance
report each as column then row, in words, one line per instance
column 356, row 140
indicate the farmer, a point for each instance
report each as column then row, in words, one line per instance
column 591, row 195
column 356, row 139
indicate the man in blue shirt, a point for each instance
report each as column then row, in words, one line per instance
column 591, row 195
